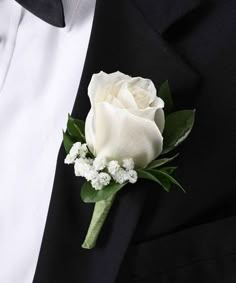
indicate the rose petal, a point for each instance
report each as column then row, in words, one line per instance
column 90, row 134
column 160, row 116
column 143, row 90
column 160, row 119
column 119, row 135
column 102, row 84
column 126, row 97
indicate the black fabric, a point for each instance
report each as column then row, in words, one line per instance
column 50, row 11
column 151, row 236
column 163, row 14
column 185, row 255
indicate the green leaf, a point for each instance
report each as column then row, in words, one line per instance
column 164, row 175
column 165, row 93
column 160, row 162
column 150, row 175
column 100, row 213
column 168, row 170
column 67, row 142
column 90, row 195
column 75, row 128
column 161, row 176
column 178, row 126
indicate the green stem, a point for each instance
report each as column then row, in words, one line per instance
column 100, row 212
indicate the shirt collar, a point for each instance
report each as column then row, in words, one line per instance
column 70, row 8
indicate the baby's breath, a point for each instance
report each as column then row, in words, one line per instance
column 97, row 170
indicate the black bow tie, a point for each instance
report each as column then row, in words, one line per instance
column 50, row 11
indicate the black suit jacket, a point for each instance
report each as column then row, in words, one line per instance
column 152, row 236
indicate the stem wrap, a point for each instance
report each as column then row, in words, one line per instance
column 100, row 212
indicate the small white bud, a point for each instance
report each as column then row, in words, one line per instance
column 83, row 150
column 104, row 179
column 74, row 151
column 100, row 163
column 132, row 176
column 128, row 164
column 120, row 176
column 113, row 167
column 89, row 161
column 100, row 181
column 69, row 159
column 96, row 184
column 91, row 173
column 81, row 167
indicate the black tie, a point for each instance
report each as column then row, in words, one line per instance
column 50, row 11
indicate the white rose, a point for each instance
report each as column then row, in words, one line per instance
column 126, row 119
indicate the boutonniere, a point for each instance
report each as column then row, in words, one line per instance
column 128, row 128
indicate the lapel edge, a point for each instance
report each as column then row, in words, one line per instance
column 163, row 14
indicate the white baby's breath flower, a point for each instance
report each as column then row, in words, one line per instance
column 83, row 150
column 91, row 173
column 100, row 163
column 69, row 159
column 132, row 176
column 100, row 181
column 104, row 179
column 89, row 161
column 120, row 176
column 96, row 184
column 81, row 167
column 83, row 161
column 128, row 163
column 74, row 151
column 113, row 167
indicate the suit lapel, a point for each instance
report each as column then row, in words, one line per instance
column 49, row 11
column 163, row 14
column 121, row 39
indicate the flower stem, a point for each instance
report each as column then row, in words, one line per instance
column 100, row 213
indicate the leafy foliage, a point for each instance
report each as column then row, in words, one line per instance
column 165, row 93
column 67, row 141
column 160, row 162
column 178, row 126
column 90, row 195
column 76, row 128
column 161, row 176
column 75, row 132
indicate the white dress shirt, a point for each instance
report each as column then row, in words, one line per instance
column 40, row 70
